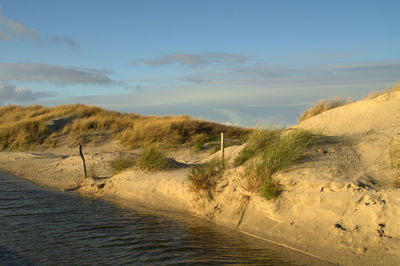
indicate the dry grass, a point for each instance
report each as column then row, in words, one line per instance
column 388, row 92
column 325, row 105
column 204, row 177
column 322, row 106
column 25, row 127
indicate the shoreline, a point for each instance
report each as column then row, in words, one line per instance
column 301, row 220
column 134, row 202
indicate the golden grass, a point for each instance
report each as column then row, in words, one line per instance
column 204, row 177
column 388, row 92
column 322, row 106
column 25, row 127
column 325, row 105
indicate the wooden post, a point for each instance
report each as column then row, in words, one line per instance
column 83, row 159
column 222, row 149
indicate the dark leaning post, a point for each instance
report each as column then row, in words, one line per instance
column 83, row 159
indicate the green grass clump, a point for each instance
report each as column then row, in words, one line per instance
column 287, row 149
column 256, row 143
column 197, row 146
column 271, row 189
column 120, row 164
column 277, row 154
column 259, row 180
column 152, row 159
column 204, row 177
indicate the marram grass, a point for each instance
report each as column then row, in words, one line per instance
column 24, row 128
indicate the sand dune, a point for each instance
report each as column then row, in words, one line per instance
column 339, row 204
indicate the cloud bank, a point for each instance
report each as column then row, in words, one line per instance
column 36, row 72
column 196, row 60
column 9, row 92
column 11, row 29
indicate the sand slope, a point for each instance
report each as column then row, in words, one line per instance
column 339, row 204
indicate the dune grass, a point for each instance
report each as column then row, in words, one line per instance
column 199, row 141
column 204, row 177
column 25, row 127
column 270, row 151
column 271, row 189
column 153, row 158
column 322, row 106
column 120, row 164
column 388, row 92
column 256, row 142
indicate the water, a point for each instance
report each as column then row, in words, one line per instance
column 43, row 227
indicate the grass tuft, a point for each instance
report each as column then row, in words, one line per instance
column 388, row 92
column 256, row 143
column 322, row 106
column 120, row 164
column 204, row 177
column 197, row 146
column 153, row 159
column 277, row 154
column 271, row 189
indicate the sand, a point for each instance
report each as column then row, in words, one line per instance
column 339, row 204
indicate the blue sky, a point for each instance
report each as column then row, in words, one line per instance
column 239, row 62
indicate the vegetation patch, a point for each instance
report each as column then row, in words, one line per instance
column 27, row 127
column 120, row 164
column 275, row 151
column 204, row 177
column 322, row 106
column 152, row 159
column 271, row 189
column 197, row 146
column 257, row 142
column 198, row 142
column 388, row 92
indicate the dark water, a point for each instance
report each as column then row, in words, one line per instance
column 42, row 227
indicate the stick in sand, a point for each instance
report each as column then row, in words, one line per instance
column 83, row 159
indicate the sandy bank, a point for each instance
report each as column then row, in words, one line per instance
column 338, row 204
column 338, row 221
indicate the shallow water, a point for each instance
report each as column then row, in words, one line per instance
column 43, row 227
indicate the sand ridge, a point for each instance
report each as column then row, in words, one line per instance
column 338, row 204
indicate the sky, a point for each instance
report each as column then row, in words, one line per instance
column 237, row 62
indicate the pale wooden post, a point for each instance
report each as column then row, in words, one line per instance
column 222, row 149
column 83, row 159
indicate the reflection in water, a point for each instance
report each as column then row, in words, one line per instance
column 41, row 227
